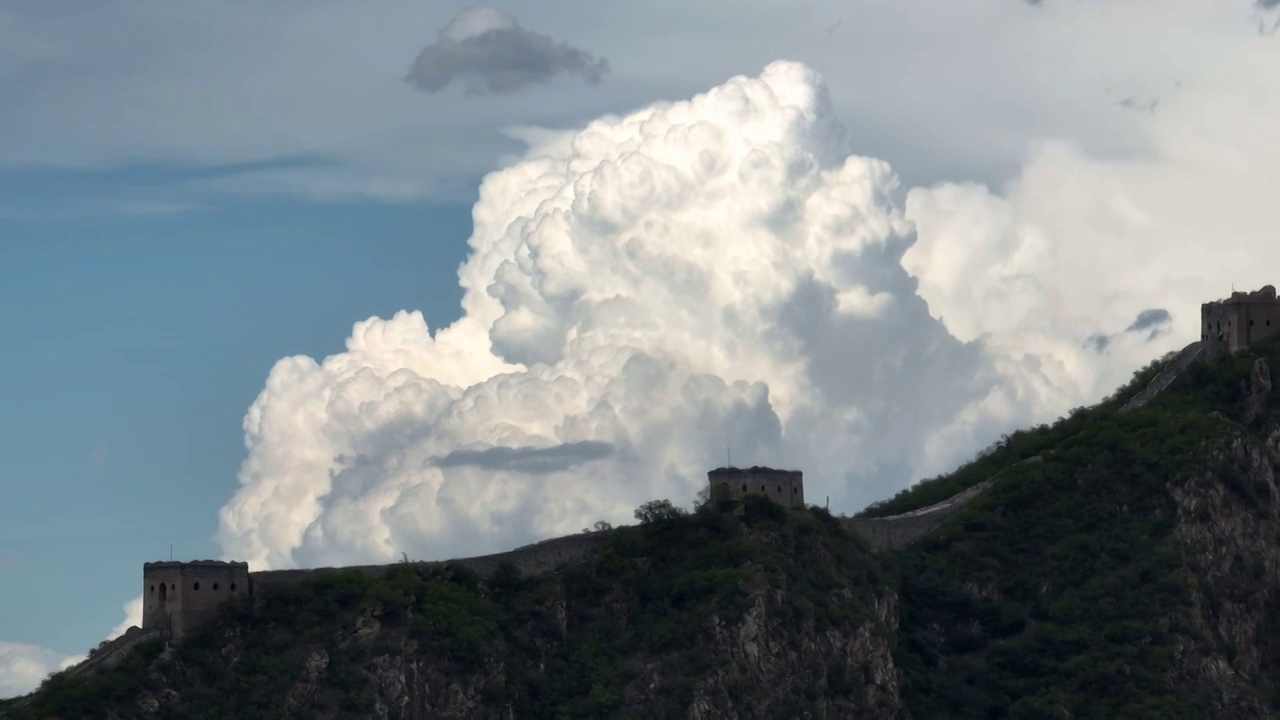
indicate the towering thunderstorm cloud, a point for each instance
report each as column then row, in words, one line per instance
column 641, row 295
column 489, row 52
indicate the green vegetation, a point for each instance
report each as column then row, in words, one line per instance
column 1062, row 588
column 85, row 696
column 569, row 645
column 1203, row 388
column 1060, row 592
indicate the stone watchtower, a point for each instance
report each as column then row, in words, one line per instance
column 177, row 597
column 1239, row 321
column 729, row 485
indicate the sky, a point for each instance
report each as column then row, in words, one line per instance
column 317, row 283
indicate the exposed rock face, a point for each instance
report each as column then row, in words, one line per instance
column 858, row 677
column 851, row 673
column 1259, row 392
column 1229, row 531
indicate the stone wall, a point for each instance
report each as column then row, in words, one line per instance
column 541, row 557
column 112, row 652
column 552, row 555
column 895, row 531
column 1161, row 382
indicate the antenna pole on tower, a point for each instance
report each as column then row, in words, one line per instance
column 728, row 456
column 170, row 552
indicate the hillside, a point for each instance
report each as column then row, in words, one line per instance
column 1122, row 565
column 1119, row 565
column 779, row 612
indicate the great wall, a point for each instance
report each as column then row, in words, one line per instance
column 1248, row 318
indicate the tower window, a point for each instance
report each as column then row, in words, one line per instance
column 779, row 489
column 215, row 586
column 233, row 587
column 153, row 588
column 761, row 488
column 744, row 487
column 196, row 586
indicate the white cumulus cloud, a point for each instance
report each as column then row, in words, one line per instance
column 132, row 617
column 23, row 666
column 1078, row 244
column 725, row 272
column 641, row 295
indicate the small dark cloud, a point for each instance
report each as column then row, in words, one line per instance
column 528, row 459
column 1154, row 321
column 490, row 53
column 1147, row 106
column 1267, row 25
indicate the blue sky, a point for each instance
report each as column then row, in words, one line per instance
column 135, row 345
column 861, row 239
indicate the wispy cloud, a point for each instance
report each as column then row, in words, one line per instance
column 528, row 459
column 46, row 213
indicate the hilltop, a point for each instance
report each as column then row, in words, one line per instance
column 1115, row 564
column 762, row 608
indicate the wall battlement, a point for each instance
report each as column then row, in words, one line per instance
column 727, row 486
column 180, row 596
column 535, row 559
column 1239, row 321
column 177, row 596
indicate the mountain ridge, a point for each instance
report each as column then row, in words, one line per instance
column 1113, row 564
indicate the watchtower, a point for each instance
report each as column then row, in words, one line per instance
column 180, row 596
column 1239, row 321
column 729, row 485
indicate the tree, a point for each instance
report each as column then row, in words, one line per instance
column 658, row 510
